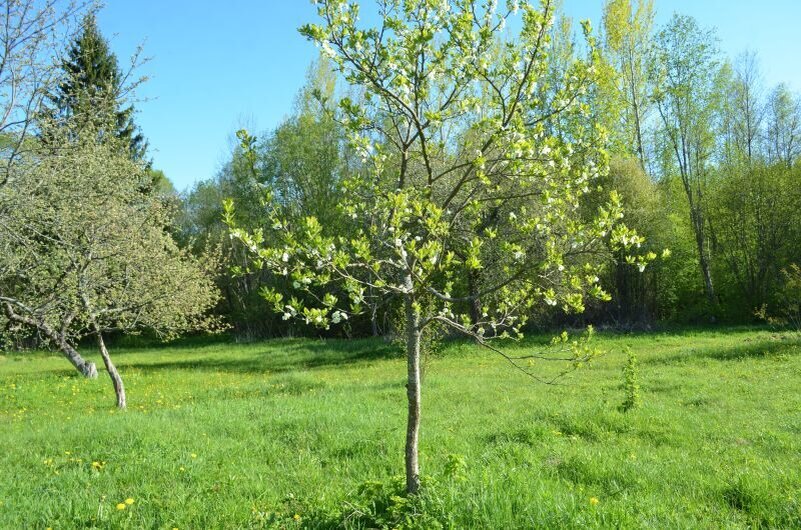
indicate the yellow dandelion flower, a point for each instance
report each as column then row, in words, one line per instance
column 121, row 506
column 296, row 517
column 594, row 501
column 193, row 455
column 129, row 501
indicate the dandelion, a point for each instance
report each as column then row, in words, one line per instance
column 594, row 501
column 129, row 501
column 193, row 455
column 296, row 517
column 121, row 506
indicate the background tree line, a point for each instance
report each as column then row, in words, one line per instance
column 704, row 155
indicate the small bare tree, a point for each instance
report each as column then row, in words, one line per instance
column 31, row 33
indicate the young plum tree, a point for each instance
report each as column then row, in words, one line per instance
column 454, row 132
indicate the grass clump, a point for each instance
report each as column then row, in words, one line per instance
column 631, row 382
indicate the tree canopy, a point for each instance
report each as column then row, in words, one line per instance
column 468, row 165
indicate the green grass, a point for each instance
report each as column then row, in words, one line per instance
column 245, row 436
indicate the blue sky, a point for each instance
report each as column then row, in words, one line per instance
column 217, row 66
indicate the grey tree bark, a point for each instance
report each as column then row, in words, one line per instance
column 116, row 380
column 413, row 395
column 86, row 368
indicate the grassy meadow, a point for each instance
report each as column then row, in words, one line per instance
column 305, row 433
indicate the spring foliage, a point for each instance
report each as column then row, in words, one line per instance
column 83, row 249
column 477, row 157
column 463, row 173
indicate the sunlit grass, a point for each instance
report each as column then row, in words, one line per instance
column 225, row 436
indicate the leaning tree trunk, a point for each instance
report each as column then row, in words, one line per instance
column 413, row 395
column 86, row 368
column 116, row 380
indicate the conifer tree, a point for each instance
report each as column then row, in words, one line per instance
column 94, row 88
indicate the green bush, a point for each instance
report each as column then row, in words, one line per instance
column 631, row 385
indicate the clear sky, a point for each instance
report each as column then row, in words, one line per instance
column 217, row 66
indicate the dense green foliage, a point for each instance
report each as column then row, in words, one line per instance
column 303, row 161
column 223, row 436
column 704, row 156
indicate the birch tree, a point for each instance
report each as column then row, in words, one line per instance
column 683, row 69
column 627, row 31
column 783, row 126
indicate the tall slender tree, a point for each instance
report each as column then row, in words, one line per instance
column 683, row 70
column 783, row 126
column 746, row 101
column 627, row 38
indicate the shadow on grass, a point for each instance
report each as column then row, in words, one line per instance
column 280, row 356
column 761, row 349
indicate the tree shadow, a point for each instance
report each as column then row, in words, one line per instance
column 757, row 349
column 281, row 356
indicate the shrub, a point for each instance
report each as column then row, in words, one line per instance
column 631, row 384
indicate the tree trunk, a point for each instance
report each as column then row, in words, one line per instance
column 700, row 240
column 637, row 121
column 374, row 319
column 116, row 380
column 413, row 395
column 87, row 369
column 698, row 226
column 472, row 291
column 709, row 288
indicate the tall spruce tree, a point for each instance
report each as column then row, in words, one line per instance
column 94, row 88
